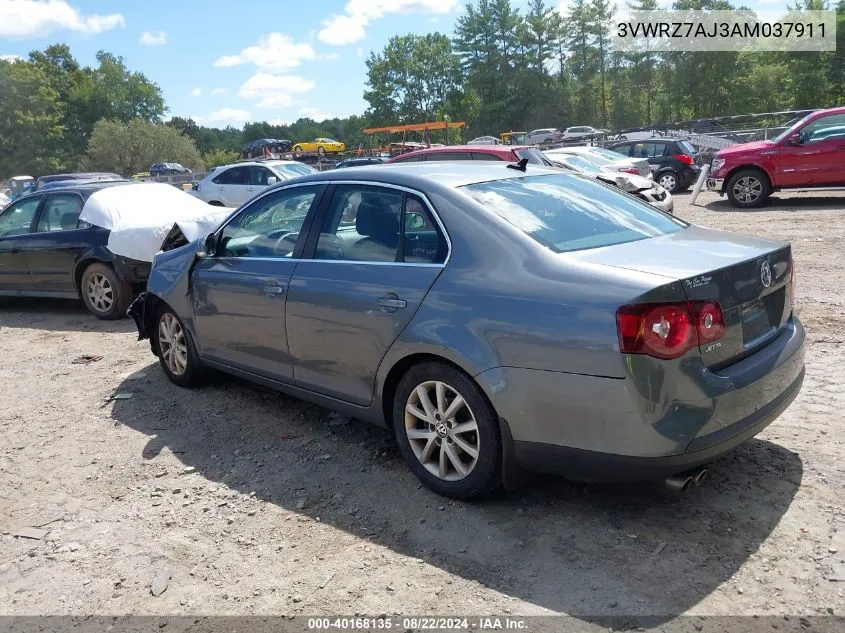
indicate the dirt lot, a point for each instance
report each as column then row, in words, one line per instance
column 253, row 502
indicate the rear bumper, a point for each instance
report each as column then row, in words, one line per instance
column 645, row 424
column 597, row 466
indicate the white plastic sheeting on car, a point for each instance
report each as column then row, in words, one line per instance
column 140, row 216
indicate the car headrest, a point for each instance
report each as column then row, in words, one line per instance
column 69, row 221
column 377, row 221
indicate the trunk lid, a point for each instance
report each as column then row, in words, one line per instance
column 749, row 277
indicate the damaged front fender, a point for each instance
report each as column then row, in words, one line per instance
column 169, row 283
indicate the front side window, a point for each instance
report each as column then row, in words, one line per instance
column 450, row 156
column 824, row 128
column 270, row 226
column 569, row 213
column 410, row 159
column 17, row 217
column 60, row 213
column 485, row 156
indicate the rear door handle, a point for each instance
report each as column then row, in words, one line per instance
column 391, row 303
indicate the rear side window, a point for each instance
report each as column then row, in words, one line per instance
column 233, row 176
column 410, row 159
column 686, row 147
column 60, row 213
column 450, row 156
column 624, row 150
column 568, row 213
column 483, row 156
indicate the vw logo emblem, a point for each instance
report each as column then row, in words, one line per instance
column 766, row 274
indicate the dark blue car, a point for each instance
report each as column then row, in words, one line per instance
column 46, row 251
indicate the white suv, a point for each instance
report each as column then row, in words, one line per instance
column 232, row 185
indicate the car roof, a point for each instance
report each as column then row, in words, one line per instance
column 425, row 175
column 85, row 189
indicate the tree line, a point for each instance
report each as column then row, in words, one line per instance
column 509, row 69
column 501, row 68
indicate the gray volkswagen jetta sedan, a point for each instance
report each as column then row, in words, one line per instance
column 498, row 319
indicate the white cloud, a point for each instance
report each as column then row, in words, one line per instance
column 315, row 114
column 274, row 52
column 280, row 122
column 229, row 116
column 149, row 38
column 349, row 26
column 196, row 92
column 11, row 58
column 218, row 91
column 39, row 18
column 274, row 91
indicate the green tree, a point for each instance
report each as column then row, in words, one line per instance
column 30, row 121
column 412, row 78
column 132, row 147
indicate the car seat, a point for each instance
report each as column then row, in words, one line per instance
column 379, row 224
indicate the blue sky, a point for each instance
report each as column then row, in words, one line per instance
column 230, row 62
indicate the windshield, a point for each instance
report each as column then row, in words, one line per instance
column 794, row 127
column 569, row 213
column 292, row 170
column 534, row 156
column 613, row 157
column 582, row 164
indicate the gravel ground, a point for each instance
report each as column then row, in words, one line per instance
column 241, row 501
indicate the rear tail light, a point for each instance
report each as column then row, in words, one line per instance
column 630, row 170
column 686, row 159
column 668, row 330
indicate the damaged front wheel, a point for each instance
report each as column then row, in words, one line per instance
column 176, row 352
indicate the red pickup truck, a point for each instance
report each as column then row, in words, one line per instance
column 808, row 155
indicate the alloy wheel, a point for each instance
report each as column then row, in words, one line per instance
column 747, row 189
column 442, row 430
column 667, row 181
column 100, row 292
column 172, row 344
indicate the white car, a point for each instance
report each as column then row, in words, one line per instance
column 605, row 158
column 543, row 135
column 485, row 140
column 232, row 185
column 581, row 131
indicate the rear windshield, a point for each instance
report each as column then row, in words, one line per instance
column 534, row 156
column 570, row 213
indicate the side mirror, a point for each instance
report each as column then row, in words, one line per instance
column 795, row 139
column 210, row 244
column 272, row 180
column 414, row 221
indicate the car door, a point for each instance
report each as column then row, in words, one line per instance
column 15, row 227
column 57, row 242
column 238, row 292
column 230, row 186
column 366, row 279
column 823, row 145
column 258, row 179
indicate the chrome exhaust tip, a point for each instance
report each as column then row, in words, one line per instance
column 689, row 479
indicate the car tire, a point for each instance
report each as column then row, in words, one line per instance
column 297, row 148
column 176, row 353
column 670, row 181
column 439, row 449
column 106, row 295
column 321, row 151
column 748, row 188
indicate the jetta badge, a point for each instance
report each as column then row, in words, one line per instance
column 766, row 274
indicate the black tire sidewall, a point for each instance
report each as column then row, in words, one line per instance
column 764, row 182
column 121, row 289
column 193, row 372
column 487, row 473
column 677, row 187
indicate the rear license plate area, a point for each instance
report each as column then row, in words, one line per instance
column 756, row 322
